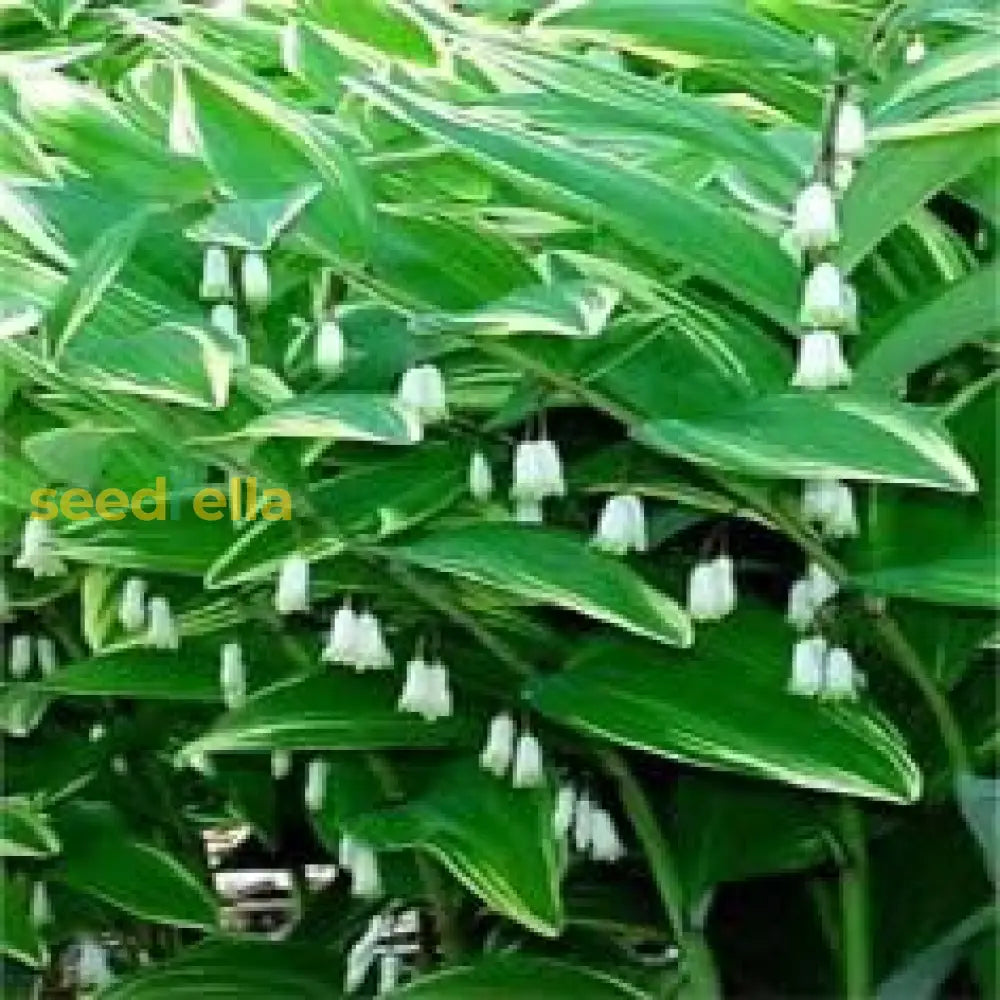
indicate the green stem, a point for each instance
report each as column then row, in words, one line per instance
column 855, row 934
column 696, row 956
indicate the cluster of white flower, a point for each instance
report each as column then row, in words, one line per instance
column 26, row 650
column 712, row 589
column 426, row 690
column 422, row 395
column 506, row 750
column 356, row 640
column 621, row 527
column 821, row 670
column 593, row 828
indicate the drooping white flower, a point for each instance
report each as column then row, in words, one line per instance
column 850, row 141
column 814, row 221
column 389, row 967
column 216, row 281
column 415, row 694
column 821, row 363
column 365, row 880
column 916, row 50
column 362, row 954
column 292, row 593
column 480, row 477
column 330, row 348
column 281, row 764
column 232, row 676
column 808, row 658
column 317, row 776
column 371, row 651
column 529, row 512
column 41, row 909
column 92, row 969
column 842, row 520
column 562, row 817
column 843, row 174
column 825, row 305
column 439, row 703
column 342, row 639
column 550, row 468
column 621, row 527
column 290, row 54
column 498, row 752
column 712, row 589
column 183, row 137
column 224, row 318
column 583, row 823
column 20, row 656
column 840, row 677
column 824, row 587
column 422, row 392
column 132, row 606
column 605, row 844
column 45, row 654
column 256, row 281
column 538, row 471
column 801, row 605
column 162, row 632
column 38, row 550
column 528, row 770
column 818, row 499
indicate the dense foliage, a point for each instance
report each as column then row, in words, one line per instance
column 568, row 436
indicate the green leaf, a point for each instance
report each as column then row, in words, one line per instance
column 496, row 840
column 961, row 313
column 341, row 416
column 232, row 969
column 724, row 704
column 523, row 976
column 101, row 858
column 336, row 709
column 550, row 567
column 654, row 215
column 391, row 29
column 25, row 831
column 19, row 939
column 810, row 436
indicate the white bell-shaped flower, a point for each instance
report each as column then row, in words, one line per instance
column 605, row 844
column 850, row 140
column 162, row 632
column 621, row 527
column 416, row 688
column 824, row 587
column 808, row 659
column 232, row 675
column 842, row 520
column 480, row 477
column 843, row 174
column 292, row 592
column 818, row 499
column 440, row 703
column 825, row 303
column 529, row 512
column 814, row 222
column 801, row 605
column 20, row 656
column 371, row 651
column 132, row 606
column 422, row 392
column 565, row 809
column 38, row 550
column 317, row 778
column 840, row 677
column 528, row 770
column 527, row 474
column 342, row 639
column 216, row 280
column 916, row 50
column 256, row 281
column 583, row 823
column 821, row 363
column 330, row 347
column 389, row 967
column 550, row 468
column 281, row 764
column 92, row 968
column 498, row 752
column 41, row 908
column 365, row 880
column 45, row 654
column 712, row 589
column 224, row 318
